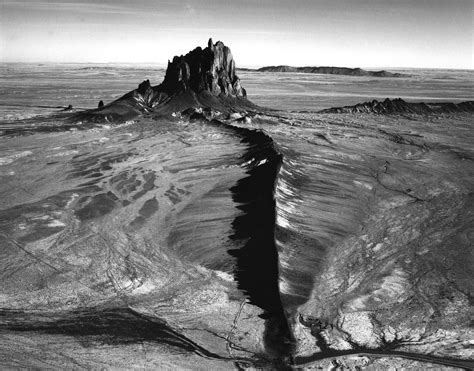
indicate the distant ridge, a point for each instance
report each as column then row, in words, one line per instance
column 331, row 71
column 396, row 106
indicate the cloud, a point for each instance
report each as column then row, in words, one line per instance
column 76, row 7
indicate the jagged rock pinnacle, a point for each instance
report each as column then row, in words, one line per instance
column 203, row 78
column 210, row 69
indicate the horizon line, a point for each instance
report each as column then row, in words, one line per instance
column 162, row 65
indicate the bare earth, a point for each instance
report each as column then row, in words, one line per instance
column 117, row 243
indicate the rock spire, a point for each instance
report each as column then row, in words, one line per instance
column 210, row 69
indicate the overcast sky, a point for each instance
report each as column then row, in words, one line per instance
column 363, row 33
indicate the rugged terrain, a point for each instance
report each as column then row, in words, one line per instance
column 399, row 106
column 183, row 226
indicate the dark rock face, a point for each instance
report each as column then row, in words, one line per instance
column 210, row 69
column 203, row 78
column 397, row 106
column 101, row 104
column 331, row 71
column 143, row 87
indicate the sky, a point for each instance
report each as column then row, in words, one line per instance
column 351, row 33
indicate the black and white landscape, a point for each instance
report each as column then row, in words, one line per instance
column 202, row 216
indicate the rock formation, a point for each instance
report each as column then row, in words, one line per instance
column 331, row 71
column 101, row 104
column 211, row 69
column 396, row 106
column 203, row 78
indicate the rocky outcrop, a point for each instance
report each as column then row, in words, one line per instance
column 210, row 69
column 398, row 106
column 331, row 71
column 203, row 78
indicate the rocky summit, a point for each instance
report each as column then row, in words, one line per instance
column 203, row 78
column 210, row 69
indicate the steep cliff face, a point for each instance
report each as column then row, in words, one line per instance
column 210, row 69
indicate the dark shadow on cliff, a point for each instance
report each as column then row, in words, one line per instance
column 257, row 261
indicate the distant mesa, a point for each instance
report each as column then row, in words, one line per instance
column 203, row 78
column 399, row 106
column 332, row 71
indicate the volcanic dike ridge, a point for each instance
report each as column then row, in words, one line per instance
column 203, row 85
